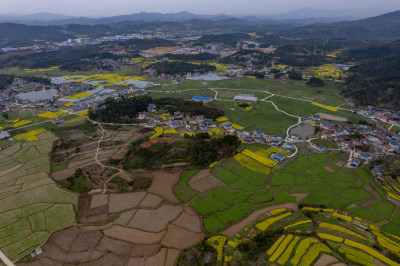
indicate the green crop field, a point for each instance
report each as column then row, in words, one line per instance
column 32, row 206
column 182, row 189
column 263, row 116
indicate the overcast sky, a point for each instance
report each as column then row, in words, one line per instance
column 119, row 7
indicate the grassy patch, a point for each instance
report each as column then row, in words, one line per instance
column 182, row 190
column 326, row 143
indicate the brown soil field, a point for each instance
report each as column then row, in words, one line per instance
column 329, row 169
column 190, row 211
column 300, row 196
column 157, row 259
column 11, row 170
column 108, row 259
column 64, row 238
column 116, row 246
column 133, row 235
column 232, row 230
column 123, row 219
column 333, row 117
column 206, row 184
column 145, row 250
column 374, row 197
column 192, row 223
column 161, row 50
column 148, row 143
column 163, row 184
column 85, row 241
column 95, row 215
column 119, row 202
column 151, row 201
column 155, row 220
column 172, row 256
column 98, row 200
column 325, row 259
column 378, row 262
column 180, row 238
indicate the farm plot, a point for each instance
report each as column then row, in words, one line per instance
column 31, row 205
column 139, row 227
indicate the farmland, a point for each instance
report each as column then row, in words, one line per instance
column 283, row 236
column 32, row 206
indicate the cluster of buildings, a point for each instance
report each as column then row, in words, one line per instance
column 382, row 115
column 364, row 142
column 99, row 97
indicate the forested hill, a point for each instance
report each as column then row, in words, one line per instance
column 376, row 81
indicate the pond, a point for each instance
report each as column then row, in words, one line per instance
column 38, row 95
column 303, row 130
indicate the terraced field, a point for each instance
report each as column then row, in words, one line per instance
column 31, row 204
column 283, row 237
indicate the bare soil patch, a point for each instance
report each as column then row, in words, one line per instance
column 190, row 211
column 157, row 259
column 172, row 256
column 232, row 230
column 145, row 250
column 333, row 117
column 329, row 169
column 41, row 262
column 325, row 259
column 151, row 201
column 148, row 143
column 85, row 241
column 11, row 170
column 95, row 215
column 116, row 246
column 300, row 196
column 119, row 202
column 55, row 253
column 180, row 238
column 98, row 200
column 367, row 203
column 121, row 220
column 64, row 238
column 163, row 184
column 206, row 184
column 155, row 220
column 108, row 259
column 133, row 235
column 192, row 223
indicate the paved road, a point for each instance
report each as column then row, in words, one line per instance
column 6, row 260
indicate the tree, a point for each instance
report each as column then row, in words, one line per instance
column 315, row 82
column 295, row 75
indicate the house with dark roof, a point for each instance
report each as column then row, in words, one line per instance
column 377, row 172
column 355, row 163
column 278, row 157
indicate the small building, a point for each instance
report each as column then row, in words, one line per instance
column 248, row 139
column 278, row 157
column 4, row 135
column 245, row 97
column 378, row 172
column 355, row 163
column 365, row 156
column 151, row 107
column 320, row 148
column 295, row 136
column 57, row 120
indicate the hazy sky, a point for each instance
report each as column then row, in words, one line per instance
column 118, row 7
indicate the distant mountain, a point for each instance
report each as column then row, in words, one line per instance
column 33, row 17
column 383, row 27
column 322, row 15
column 51, row 19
